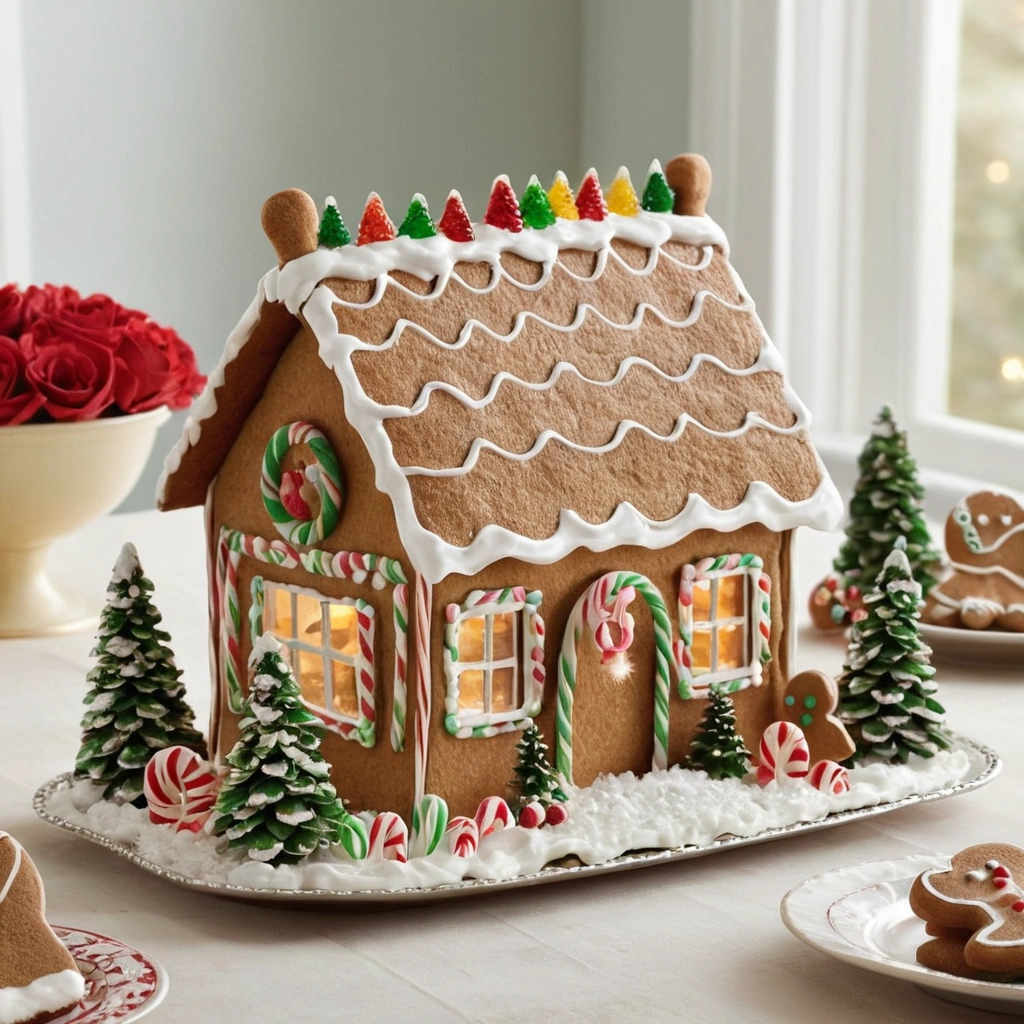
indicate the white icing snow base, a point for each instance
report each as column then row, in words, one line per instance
column 618, row 813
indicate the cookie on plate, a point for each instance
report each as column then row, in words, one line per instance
column 979, row 894
column 38, row 978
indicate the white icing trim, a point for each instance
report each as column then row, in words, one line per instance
column 984, row 937
column 44, row 995
column 989, row 570
column 13, row 874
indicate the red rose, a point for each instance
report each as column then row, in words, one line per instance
column 48, row 299
column 11, row 304
column 154, row 367
column 19, row 399
column 75, row 378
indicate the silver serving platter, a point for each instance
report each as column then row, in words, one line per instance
column 987, row 765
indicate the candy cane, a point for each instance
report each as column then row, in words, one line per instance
column 463, row 837
column 608, row 587
column 180, row 789
column 599, row 616
column 429, row 821
column 353, row 838
column 493, row 815
column 829, row 777
column 389, row 837
column 783, row 753
column 400, row 613
column 325, row 474
column 424, row 596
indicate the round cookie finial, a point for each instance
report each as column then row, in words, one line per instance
column 690, row 177
column 290, row 221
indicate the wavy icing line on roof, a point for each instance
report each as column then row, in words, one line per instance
column 436, row 257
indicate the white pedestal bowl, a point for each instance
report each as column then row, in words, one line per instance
column 55, row 478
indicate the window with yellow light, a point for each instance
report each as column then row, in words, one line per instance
column 720, row 648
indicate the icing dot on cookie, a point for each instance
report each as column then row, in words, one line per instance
column 1006, row 519
column 790, row 700
column 983, row 519
column 806, row 719
column 810, row 702
column 978, row 875
column 990, row 864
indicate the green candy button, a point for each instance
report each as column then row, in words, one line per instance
column 790, row 700
column 806, row 719
column 810, row 702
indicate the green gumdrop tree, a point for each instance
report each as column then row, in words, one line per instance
column 718, row 748
column 332, row 234
column 136, row 702
column 886, row 504
column 417, row 223
column 535, row 206
column 658, row 197
column 277, row 803
column 886, row 692
column 535, row 778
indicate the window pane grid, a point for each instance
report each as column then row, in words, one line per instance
column 490, row 666
column 713, row 625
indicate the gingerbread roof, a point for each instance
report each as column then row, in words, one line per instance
column 592, row 383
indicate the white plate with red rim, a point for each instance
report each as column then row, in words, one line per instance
column 861, row 914
column 122, row 984
column 975, row 646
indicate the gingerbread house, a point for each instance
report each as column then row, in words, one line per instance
column 478, row 475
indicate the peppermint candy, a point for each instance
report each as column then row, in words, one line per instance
column 180, row 789
column 783, row 753
column 389, row 837
column 463, row 837
column 493, row 815
column 429, row 821
column 829, row 777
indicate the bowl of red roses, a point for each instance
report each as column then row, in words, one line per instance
column 85, row 383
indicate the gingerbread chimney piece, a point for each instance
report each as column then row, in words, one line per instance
column 290, row 221
column 690, row 177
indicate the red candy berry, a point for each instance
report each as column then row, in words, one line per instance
column 503, row 207
column 556, row 814
column 291, row 495
column 532, row 815
column 455, row 223
column 375, row 225
column 590, row 198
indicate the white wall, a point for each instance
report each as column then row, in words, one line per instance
column 156, row 130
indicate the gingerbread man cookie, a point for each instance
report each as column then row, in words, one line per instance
column 984, row 588
column 38, row 978
column 979, row 892
column 810, row 701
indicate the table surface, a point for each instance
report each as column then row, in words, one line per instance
column 700, row 940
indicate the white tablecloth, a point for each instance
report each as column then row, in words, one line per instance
column 700, row 940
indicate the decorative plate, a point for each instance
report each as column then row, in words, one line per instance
column 975, row 646
column 121, row 984
column 985, row 765
column 862, row 915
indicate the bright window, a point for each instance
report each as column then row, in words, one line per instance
column 721, row 616
column 489, row 682
column 322, row 636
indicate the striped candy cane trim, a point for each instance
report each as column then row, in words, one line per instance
column 606, row 590
column 325, row 474
column 359, row 567
column 424, row 597
column 761, row 607
column 466, row 724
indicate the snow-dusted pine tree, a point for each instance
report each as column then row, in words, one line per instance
column 886, row 693
column 535, row 778
column 136, row 704
column 718, row 748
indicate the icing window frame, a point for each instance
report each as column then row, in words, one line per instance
column 756, row 622
column 361, row 726
column 526, row 661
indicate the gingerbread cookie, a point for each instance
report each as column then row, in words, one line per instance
column 984, row 588
column 810, row 701
column 979, row 892
column 38, row 978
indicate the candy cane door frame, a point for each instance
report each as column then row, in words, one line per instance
column 603, row 664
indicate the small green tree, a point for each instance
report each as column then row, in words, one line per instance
column 417, row 223
column 658, row 197
column 535, row 778
column 535, row 206
column 277, row 802
column 136, row 704
column 718, row 748
column 886, row 693
column 886, row 504
column 332, row 234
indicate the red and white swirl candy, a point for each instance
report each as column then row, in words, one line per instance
column 532, row 815
column 600, row 617
column 389, row 837
column 783, row 753
column 493, row 815
column 829, row 777
column 463, row 836
column 180, row 789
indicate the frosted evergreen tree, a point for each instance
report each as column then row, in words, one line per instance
column 886, row 692
column 886, row 504
column 277, row 802
column 718, row 748
column 332, row 234
column 136, row 701
column 535, row 778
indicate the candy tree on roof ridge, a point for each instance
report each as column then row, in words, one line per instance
column 886, row 692
column 136, row 704
column 332, row 234
column 277, row 803
column 886, row 504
